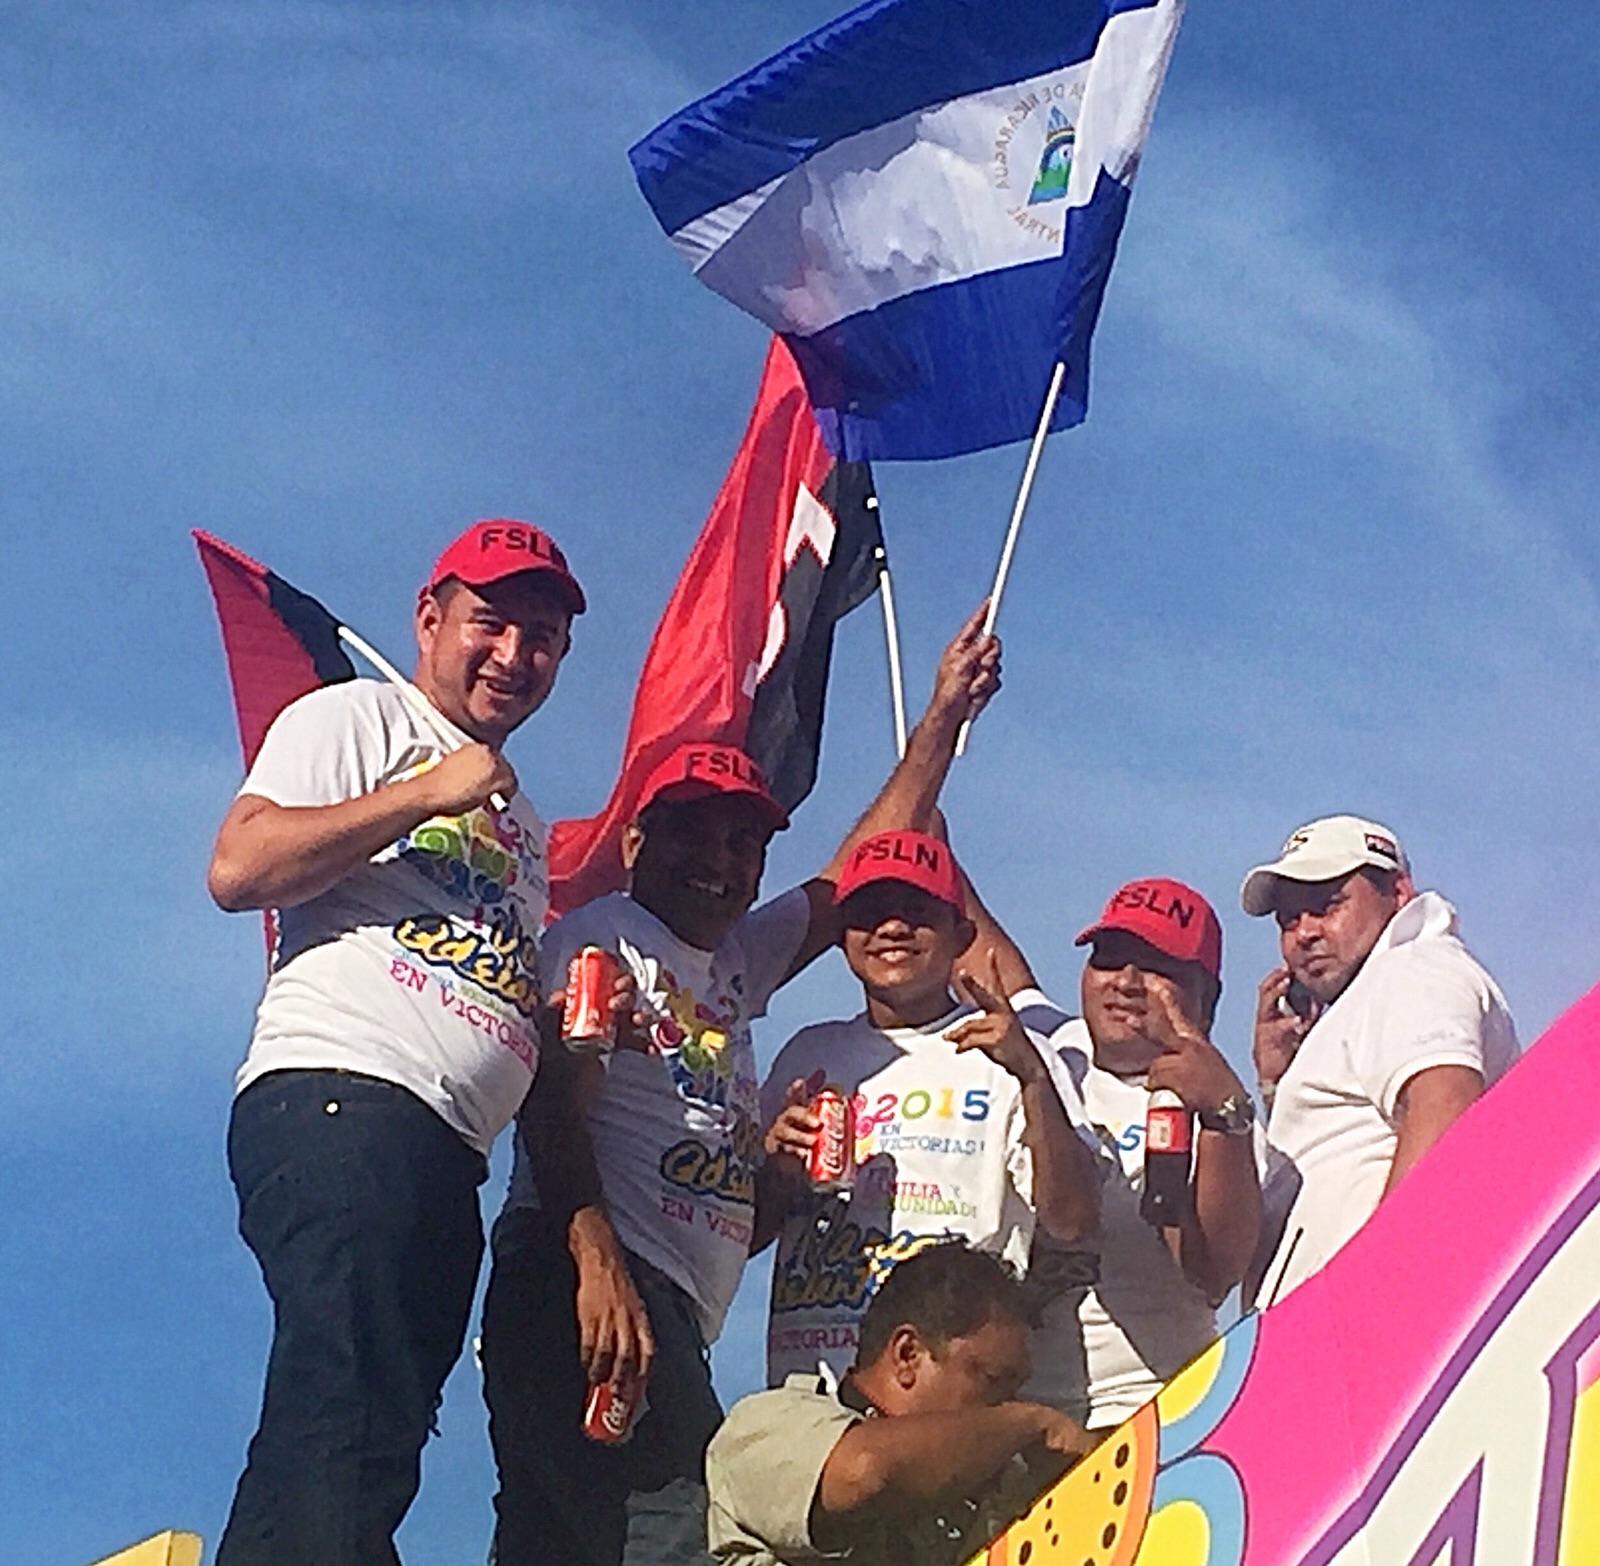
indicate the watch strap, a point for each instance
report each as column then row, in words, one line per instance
column 1234, row 1116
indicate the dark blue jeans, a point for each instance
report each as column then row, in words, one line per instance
column 565, row 1500
column 361, row 1206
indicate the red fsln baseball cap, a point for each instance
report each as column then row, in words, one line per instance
column 697, row 771
column 502, row 547
column 1172, row 917
column 913, row 857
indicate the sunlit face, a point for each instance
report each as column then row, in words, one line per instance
column 488, row 656
column 986, row 1367
column 1327, row 929
column 901, row 942
column 1117, row 998
column 697, row 863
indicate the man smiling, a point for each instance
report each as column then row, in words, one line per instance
column 960, row 1129
column 1149, row 992
column 1378, row 1031
column 396, row 1038
column 677, row 1140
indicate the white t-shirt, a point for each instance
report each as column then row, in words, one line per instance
column 1145, row 1320
column 1419, row 1000
column 939, row 1152
column 421, row 967
column 676, row 1133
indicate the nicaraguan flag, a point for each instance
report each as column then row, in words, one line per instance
column 924, row 198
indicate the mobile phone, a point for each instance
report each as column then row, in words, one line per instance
column 1301, row 1001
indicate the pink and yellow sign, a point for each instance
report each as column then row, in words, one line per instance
column 1431, row 1398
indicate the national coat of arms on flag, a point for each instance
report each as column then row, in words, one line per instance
column 923, row 198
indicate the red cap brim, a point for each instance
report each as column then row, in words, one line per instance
column 565, row 584
column 689, row 790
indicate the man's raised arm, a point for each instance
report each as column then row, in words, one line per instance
column 968, row 675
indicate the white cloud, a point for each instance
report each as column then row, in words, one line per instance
column 408, row 105
column 222, row 222
column 1257, row 251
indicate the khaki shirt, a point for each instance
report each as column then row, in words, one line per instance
column 763, row 1468
column 762, row 1472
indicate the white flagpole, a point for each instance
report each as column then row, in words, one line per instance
column 891, row 637
column 414, row 699
column 1010, row 545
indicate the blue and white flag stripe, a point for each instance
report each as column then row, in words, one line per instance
column 901, row 195
column 879, row 62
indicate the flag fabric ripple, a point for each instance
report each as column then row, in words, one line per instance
column 742, row 651
column 280, row 643
column 924, row 198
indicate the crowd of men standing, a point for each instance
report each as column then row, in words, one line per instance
column 991, row 1289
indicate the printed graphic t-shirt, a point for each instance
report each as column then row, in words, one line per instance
column 939, row 1152
column 1144, row 1320
column 676, row 1132
column 419, row 968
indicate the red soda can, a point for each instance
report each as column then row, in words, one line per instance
column 586, row 1017
column 611, row 1411
column 1168, row 1134
column 832, row 1161
column 1168, row 1125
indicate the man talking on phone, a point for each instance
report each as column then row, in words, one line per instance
column 1378, row 1031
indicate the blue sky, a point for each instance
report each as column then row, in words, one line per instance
column 332, row 280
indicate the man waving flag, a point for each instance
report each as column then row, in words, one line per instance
column 924, row 198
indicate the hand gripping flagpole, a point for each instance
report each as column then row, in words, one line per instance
column 421, row 707
column 1009, row 547
column 891, row 637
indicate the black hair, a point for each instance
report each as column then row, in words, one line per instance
column 945, row 1292
column 654, row 814
column 660, row 811
column 1384, row 880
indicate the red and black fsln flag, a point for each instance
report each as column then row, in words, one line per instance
column 742, row 652
column 280, row 642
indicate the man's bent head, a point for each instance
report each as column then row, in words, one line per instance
column 947, row 1329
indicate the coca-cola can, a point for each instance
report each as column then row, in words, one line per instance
column 1166, row 1201
column 832, row 1161
column 1168, row 1125
column 611, row 1412
column 586, row 1017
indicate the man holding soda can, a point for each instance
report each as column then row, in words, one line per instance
column 959, row 1130
column 673, row 1116
column 1181, row 1205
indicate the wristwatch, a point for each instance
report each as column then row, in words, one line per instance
column 1234, row 1116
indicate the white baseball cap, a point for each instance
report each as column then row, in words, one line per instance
column 1323, row 851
